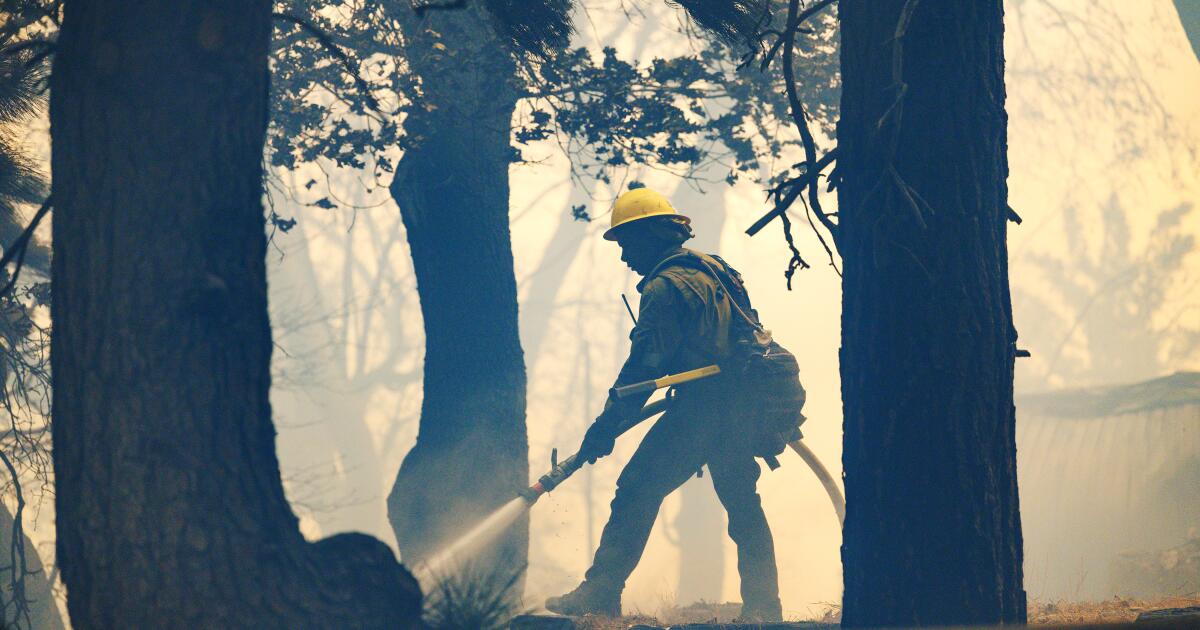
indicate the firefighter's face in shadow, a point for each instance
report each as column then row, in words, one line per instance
column 640, row 250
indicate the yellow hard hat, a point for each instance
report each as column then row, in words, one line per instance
column 639, row 203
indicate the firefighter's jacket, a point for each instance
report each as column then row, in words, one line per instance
column 687, row 319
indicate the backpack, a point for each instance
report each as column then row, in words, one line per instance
column 768, row 376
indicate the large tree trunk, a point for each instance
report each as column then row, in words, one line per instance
column 170, row 509
column 932, row 533
column 452, row 188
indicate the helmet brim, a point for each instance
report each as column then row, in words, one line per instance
column 611, row 233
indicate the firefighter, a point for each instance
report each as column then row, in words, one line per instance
column 694, row 311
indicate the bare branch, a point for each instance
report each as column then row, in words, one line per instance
column 800, row 118
column 796, row 185
column 797, row 262
column 20, row 246
column 20, row 567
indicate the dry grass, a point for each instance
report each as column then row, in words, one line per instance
column 613, row 623
column 1106, row 611
column 1059, row 613
column 699, row 612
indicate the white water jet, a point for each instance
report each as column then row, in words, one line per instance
column 442, row 564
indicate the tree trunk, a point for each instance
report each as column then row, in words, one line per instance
column 170, row 509
column 933, row 532
column 472, row 451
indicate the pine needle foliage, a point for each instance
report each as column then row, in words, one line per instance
column 538, row 28
column 736, row 22
column 475, row 599
column 23, row 75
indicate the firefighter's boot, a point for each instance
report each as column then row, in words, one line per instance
column 587, row 599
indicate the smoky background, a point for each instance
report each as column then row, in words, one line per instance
column 1103, row 100
column 1104, row 131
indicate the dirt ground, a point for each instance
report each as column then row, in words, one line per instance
column 1106, row 611
column 1040, row 613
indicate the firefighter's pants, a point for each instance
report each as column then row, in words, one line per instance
column 696, row 430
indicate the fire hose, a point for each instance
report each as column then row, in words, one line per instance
column 560, row 471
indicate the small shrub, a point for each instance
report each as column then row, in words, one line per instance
column 475, row 599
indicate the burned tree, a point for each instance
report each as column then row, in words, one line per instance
column 933, row 532
column 452, row 189
column 450, row 74
column 170, row 510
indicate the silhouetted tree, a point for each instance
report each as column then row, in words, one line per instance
column 452, row 189
column 932, row 533
column 170, row 510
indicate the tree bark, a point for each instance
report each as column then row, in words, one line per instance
column 170, row 509
column 452, row 187
column 932, row 533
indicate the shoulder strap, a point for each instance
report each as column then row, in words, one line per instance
column 715, row 267
column 729, row 276
column 673, row 259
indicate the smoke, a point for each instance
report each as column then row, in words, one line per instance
column 458, row 554
column 1091, row 120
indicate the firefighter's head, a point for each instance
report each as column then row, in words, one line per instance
column 646, row 227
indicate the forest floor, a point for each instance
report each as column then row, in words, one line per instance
column 1060, row 613
column 1113, row 610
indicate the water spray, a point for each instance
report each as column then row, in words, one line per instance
column 439, row 565
column 560, row 471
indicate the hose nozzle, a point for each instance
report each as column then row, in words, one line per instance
column 559, row 471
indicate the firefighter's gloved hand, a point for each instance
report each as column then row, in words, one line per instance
column 598, row 442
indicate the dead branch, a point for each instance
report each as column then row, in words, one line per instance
column 787, row 193
column 796, row 262
column 20, row 246
column 795, row 186
column 801, row 119
column 20, row 568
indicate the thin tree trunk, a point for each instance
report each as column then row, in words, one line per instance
column 170, row 509
column 932, row 533
column 452, row 187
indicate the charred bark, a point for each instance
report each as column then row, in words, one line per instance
column 932, row 533
column 452, row 188
column 170, row 510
